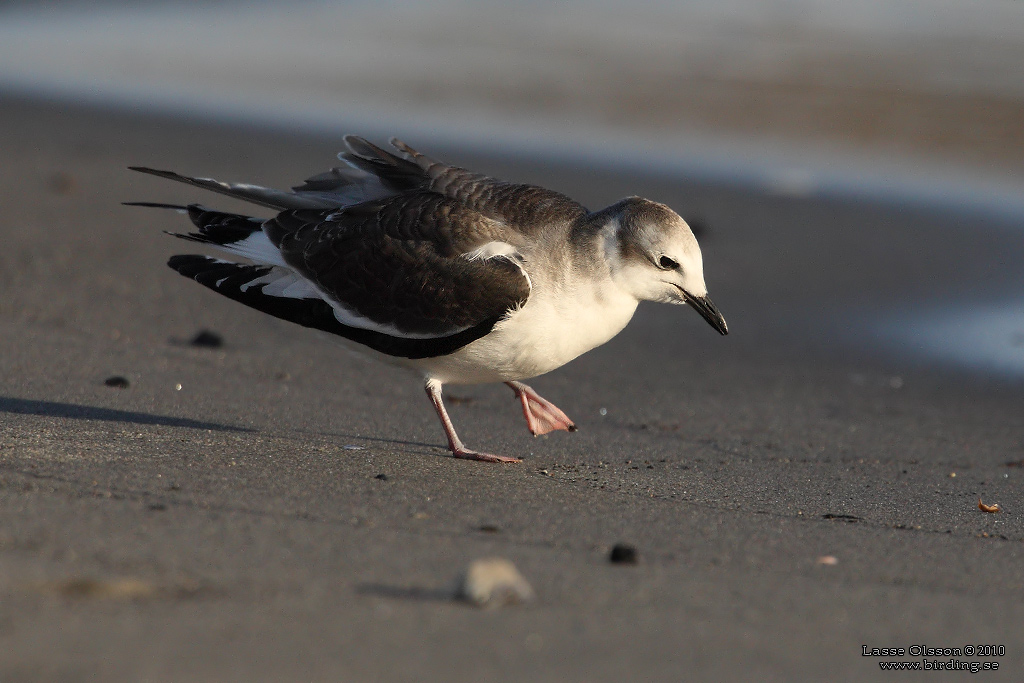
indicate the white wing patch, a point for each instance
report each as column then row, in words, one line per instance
column 353, row 319
column 498, row 249
column 283, row 283
column 490, row 250
column 256, row 247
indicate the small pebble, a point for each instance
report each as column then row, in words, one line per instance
column 207, row 340
column 489, row 528
column 494, row 582
column 623, row 554
column 353, row 448
column 828, row 560
column 117, row 382
column 382, row 477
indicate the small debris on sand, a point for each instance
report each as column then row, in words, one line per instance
column 849, row 519
column 117, row 382
column 623, row 554
column 494, row 582
column 828, row 560
column 989, row 508
column 382, row 477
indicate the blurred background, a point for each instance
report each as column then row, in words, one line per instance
column 912, row 102
column 798, row 94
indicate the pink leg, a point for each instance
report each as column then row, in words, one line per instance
column 542, row 416
column 454, row 442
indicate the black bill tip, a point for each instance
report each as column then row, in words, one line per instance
column 708, row 311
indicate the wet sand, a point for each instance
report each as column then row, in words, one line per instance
column 236, row 529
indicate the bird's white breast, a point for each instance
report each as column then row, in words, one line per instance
column 555, row 325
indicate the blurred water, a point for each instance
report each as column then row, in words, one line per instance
column 987, row 338
column 596, row 79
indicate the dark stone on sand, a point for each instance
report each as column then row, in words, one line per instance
column 117, row 382
column 382, row 477
column 207, row 340
column 623, row 554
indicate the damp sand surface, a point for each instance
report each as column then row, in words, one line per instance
column 791, row 492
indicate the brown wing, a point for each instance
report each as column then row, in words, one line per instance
column 397, row 265
column 524, row 208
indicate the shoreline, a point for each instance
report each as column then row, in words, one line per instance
column 761, row 163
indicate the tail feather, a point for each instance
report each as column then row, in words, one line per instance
column 396, row 173
column 370, row 173
column 343, row 186
column 255, row 194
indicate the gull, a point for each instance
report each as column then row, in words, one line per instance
column 462, row 278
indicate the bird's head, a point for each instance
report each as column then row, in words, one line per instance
column 657, row 258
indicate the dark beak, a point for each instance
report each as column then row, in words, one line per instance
column 708, row 311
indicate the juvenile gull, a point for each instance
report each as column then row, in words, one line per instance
column 460, row 277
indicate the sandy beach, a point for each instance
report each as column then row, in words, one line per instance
column 222, row 518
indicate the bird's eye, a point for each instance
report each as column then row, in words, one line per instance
column 667, row 263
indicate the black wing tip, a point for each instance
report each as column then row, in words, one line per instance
column 192, row 263
column 153, row 171
column 158, row 205
column 191, row 237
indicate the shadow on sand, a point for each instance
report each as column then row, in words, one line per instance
column 23, row 406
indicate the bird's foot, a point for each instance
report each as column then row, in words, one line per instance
column 433, row 388
column 542, row 416
column 467, row 454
